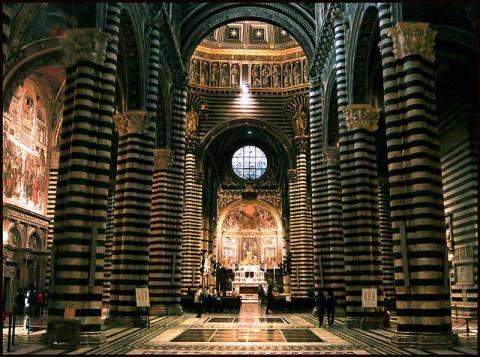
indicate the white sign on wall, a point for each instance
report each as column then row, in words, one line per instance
column 142, row 297
column 369, row 298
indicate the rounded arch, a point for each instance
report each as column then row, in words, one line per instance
column 365, row 37
column 239, row 122
column 36, row 240
column 330, row 110
column 15, row 237
column 207, row 17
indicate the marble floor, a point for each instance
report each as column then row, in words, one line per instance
column 250, row 332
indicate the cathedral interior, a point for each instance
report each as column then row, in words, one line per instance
column 270, row 154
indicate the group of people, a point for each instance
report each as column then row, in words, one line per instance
column 325, row 304
column 211, row 299
column 30, row 302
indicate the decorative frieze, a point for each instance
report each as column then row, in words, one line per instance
column 361, row 116
column 411, row 38
column 87, row 44
column 131, row 122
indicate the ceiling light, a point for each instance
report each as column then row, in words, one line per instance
column 249, row 132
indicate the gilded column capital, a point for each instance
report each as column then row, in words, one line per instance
column 131, row 122
column 191, row 143
column 413, row 38
column 361, row 116
column 161, row 158
column 292, row 175
column 330, row 155
column 88, row 44
column 301, row 143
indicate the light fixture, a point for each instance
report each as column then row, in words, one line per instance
column 244, row 88
column 249, row 132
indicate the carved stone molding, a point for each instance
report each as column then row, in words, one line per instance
column 292, row 175
column 413, row 38
column 131, row 122
column 330, row 155
column 338, row 15
column 361, row 116
column 301, row 144
column 89, row 44
column 161, row 158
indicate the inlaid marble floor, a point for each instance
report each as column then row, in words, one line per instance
column 249, row 332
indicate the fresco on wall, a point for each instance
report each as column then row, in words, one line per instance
column 249, row 216
column 25, row 150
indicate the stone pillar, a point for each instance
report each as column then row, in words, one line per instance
column 108, row 250
column 192, row 220
column 331, row 242
column 416, row 194
column 167, row 211
column 82, row 190
column 301, row 239
column 363, row 265
column 317, row 177
column 132, row 213
column 6, row 23
column 386, row 237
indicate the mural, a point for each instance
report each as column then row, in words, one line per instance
column 227, row 74
column 249, row 237
column 25, row 150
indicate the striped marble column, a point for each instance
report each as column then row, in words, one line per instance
column 167, row 211
column 82, row 190
column 107, row 271
column 301, row 238
column 131, row 231
column 363, row 265
column 332, row 237
column 386, row 237
column 416, row 195
column 192, row 221
column 317, row 174
column 6, row 23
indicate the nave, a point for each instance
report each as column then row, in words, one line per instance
column 249, row 331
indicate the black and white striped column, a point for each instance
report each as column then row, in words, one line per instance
column 416, row 194
column 317, row 177
column 192, row 221
column 133, row 194
column 333, row 266
column 363, row 265
column 107, row 271
column 6, row 23
column 386, row 237
column 167, row 211
column 82, row 190
column 301, row 238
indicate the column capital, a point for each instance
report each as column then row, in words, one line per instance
column 292, row 175
column 413, row 38
column 199, row 177
column 161, row 158
column 338, row 15
column 301, row 143
column 88, row 44
column 361, row 116
column 191, row 143
column 330, row 155
column 131, row 122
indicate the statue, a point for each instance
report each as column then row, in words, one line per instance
column 225, row 75
column 297, row 73
column 205, row 73
column 191, row 123
column 266, row 76
column 194, row 72
column 215, row 74
column 276, row 76
column 298, row 122
column 286, row 75
column 256, row 76
column 235, row 75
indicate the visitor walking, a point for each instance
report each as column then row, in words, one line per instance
column 40, row 302
column 330, row 303
column 320, row 303
column 198, row 300
column 20, row 302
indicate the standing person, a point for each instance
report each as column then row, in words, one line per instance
column 198, row 300
column 269, row 299
column 20, row 302
column 40, row 301
column 320, row 302
column 330, row 302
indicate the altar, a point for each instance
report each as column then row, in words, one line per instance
column 248, row 278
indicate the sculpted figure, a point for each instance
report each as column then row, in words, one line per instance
column 276, row 76
column 191, row 123
column 298, row 123
column 225, row 75
column 256, row 76
column 266, row 73
column 215, row 74
column 194, row 72
column 286, row 76
column 235, row 75
column 297, row 73
column 205, row 73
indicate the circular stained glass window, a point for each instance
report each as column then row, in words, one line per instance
column 249, row 162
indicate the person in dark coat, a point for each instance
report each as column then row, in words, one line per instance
column 320, row 303
column 20, row 302
column 330, row 303
column 269, row 299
